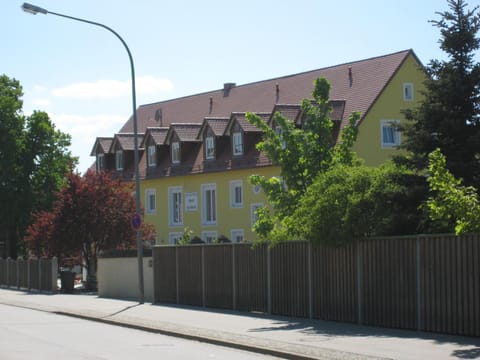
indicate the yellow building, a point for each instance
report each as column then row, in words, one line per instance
column 198, row 151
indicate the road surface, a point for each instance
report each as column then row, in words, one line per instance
column 30, row 334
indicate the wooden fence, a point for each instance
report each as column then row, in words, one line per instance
column 32, row 274
column 428, row 283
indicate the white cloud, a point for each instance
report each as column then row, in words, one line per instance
column 84, row 130
column 43, row 103
column 108, row 89
column 39, row 88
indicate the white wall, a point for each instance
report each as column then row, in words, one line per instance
column 118, row 277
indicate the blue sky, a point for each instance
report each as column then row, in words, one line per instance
column 80, row 73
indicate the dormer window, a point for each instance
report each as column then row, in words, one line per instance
column 119, row 160
column 237, row 144
column 100, row 162
column 209, row 148
column 176, row 152
column 152, row 156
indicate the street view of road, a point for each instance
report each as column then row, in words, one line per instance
column 30, row 334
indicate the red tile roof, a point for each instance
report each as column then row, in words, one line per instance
column 368, row 78
column 158, row 134
column 126, row 142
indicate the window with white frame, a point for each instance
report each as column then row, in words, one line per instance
column 175, row 214
column 152, row 155
column 390, row 133
column 174, row 238
column 119, row 159
column 237, row 235
column 209, row 236
column 100, row 162
column 279, row 132
column 209, row 148
column 237, row 143
column 253, row 212
column 176, row 152
column 151, row 201
column 209, row 204
column 408, row 92
column 236, row 194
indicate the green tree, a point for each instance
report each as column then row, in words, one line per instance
column 92, row 213
column 451, row 206
column 346, row 202
column 33, row 160
column 301, row 154
column 449, row 116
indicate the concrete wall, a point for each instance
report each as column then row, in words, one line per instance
column 118, row 277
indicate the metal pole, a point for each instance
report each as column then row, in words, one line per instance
column 35, row 9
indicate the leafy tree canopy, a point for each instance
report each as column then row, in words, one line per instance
column 451, row 206
column 301, row 154
column 92, row 213
column 34, row 159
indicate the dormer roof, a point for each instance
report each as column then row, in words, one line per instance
column 125, row 141
column 101, row 146
column 186, row 132
column 157, row 134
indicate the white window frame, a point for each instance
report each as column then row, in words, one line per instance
column 209, row 148
column 209, row 205
column 237, row 143
column 279, row 132
column 253, row 208
column 256, row 189
column 100, row 162
column 149, row 207
column 209, row 236
column 175, row 206
column 393, row 139
column 408, row 94
column 234, row 233
column 174, row 237
column 152, row 155
column 119, row 159
column 176, row 152
column 234, row 201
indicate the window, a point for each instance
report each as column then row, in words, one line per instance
column 209, row 204
column 408, row 92
column 236, row 194
column 237, row 235
column 253, row 209
column 279, row 132
column 152, row 155
column 174, row 238
column 209, row 236
column 119, row 159
column 175, row 215
column 237, row 144
column 390, row 133
column 257, row 189
column 209, row 148
column 176, row 153
column 100, row 162
column 150, row 201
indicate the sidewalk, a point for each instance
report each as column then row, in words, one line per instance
column 278, row 336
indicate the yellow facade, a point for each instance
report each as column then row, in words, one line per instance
column 228, row 218
column 402, row 92
column 389, row 106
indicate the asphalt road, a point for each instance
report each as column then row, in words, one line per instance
column 30, row 334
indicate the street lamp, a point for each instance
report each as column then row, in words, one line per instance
column 33, row 9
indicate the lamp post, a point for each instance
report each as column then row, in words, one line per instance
column 33, row 9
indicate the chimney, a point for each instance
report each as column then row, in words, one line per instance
column 277, row 92
column 227, row 87
column 350, row 76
